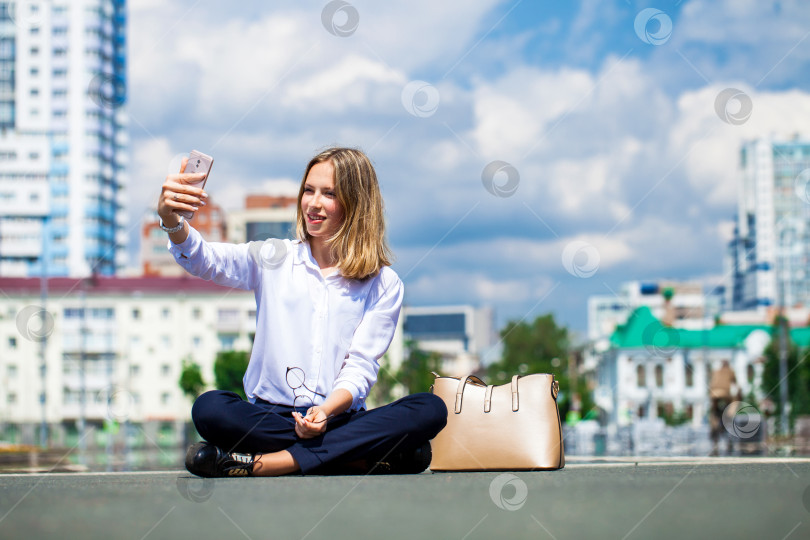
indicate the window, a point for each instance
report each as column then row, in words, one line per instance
column 166, row 313
column 11, row 371
column 34, row 51
column 35, row 91
column 749, row 374
column 228, row 316
column 165, row 370
column 165, row 398
column 659, row 376
column 196, row 342
column 196, row 313
column 103, row 313
column 12, row 342
column 136, row 314
column 226, row 341
column 166, row 341
column 134, row 370
column 34, row 71
column 641, row 376
column 73, row 313
column 689, row 376
column 12, row 398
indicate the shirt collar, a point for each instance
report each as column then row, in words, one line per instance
column 303, row 255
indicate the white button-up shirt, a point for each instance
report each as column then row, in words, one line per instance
column 335, row 329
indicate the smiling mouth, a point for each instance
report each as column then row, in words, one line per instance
column 314, row 218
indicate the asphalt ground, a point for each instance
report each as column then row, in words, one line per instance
column 610, row 498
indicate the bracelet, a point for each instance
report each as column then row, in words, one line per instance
column 175, row 228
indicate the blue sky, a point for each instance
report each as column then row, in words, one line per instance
column 625, row 169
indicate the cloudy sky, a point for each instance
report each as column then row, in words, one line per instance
column 531, row 154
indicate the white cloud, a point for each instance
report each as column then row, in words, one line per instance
column 513, row 112
column 348, row 83
column 616, row 157
column 712, row 146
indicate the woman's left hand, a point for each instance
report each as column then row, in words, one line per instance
column 311, row 425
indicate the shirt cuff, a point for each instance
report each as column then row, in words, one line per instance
column 357, row 401
column 188, row 246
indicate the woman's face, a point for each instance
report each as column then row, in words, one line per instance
column 323, row 214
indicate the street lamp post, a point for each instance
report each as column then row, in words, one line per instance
column 791, row 228
column 43, row 366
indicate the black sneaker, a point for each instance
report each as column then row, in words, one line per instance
column 411, row 461
column 209, row 461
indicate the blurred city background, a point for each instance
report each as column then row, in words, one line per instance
column 614, row 192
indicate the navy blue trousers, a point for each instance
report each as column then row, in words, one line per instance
column 226, row 420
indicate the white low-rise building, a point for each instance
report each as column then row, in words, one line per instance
column 130, row 334
column 651, row 370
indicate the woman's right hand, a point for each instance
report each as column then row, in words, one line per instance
column 178, row 193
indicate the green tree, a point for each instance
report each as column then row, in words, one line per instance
column 191, row 380
column 382, row 392
column 798, row 378
column 229, row 368
column 415, row 372
column 539, row 347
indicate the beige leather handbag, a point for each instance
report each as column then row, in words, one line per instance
column 511, row 427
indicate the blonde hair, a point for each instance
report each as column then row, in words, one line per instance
column 359, row 244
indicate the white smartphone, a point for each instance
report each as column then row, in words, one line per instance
column 197, row 163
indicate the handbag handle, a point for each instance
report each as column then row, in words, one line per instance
column 515, row 402
column 462, row 382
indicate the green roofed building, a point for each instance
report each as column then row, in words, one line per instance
column 651, row 369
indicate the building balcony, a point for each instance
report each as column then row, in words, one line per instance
column 56, row 251
column 93, row 382
column 60, row 147
column 59, row 189
column 92, row 410
column 59, row 169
